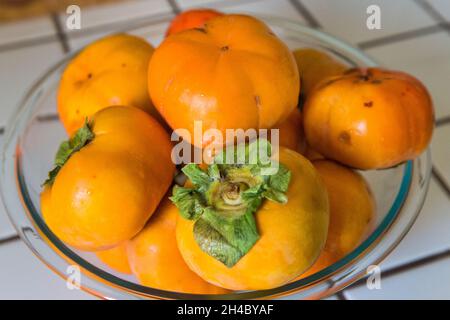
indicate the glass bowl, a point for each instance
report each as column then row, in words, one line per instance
column 34, row 134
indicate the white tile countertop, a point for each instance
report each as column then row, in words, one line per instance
column 415, row 37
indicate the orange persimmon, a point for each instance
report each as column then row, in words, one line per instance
column 190, row 19
column 352, row 211
column 109, row 71
column 116, row 258
column 232, row 73
column 155, row 260
column 314, row 66
column 369, row 118
column 108, row 179
column 291, row 132
column 238, row 246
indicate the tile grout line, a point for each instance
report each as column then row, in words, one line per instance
column 408, row 266
column 430, row 10
column 421, row 261
column 305, row 13
column 124, row 26
column 9, row 239
column 435, row 172
column 218, row 4
column 62, row 37
column 443, row 121
column 434, row 14
column 47, row 117
column 312, row 22
column 174, row 6
column 407, row 35
column 440, row 181
column 28, row 43
column 155, row 19
column 444, row 26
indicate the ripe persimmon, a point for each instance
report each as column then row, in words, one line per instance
column 109, row 71
column 116, row 258
column 314, row 66
column 242, row 231
column 352, row 212
column 107, row 181
column 156, row 261
column 234, row 73
column 190, row 19
column 291, row 132
column 369, row 118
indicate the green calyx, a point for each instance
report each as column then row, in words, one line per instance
column 225, row 197
column 82, row 137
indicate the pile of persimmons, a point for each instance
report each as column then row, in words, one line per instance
column 228, row 226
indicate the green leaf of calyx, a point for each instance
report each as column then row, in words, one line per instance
column 280, row 180
column 256, row 153
column 276, row 196
column 278, row 185
column 239, row 230
column 214, row 172
column 259, row 152
column 225, row 197
column 211, row 242
column 254, row 197
column 227, row 239
column 188, row 201
column 199, row 178
column 67, row 148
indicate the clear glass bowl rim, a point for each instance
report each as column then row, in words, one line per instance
column 132, row 290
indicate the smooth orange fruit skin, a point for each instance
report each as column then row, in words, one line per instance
column 314, row 66
column 233, row 73
column 369, row 118
column 156, row 261
column 105, row 193
column 352, row 212
column 110, row 71
column 45, row 200
column 291, row 132
column 291, row 235
column 191, row 19
column 116, row 258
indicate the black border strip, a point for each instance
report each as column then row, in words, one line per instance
column 341, row 295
